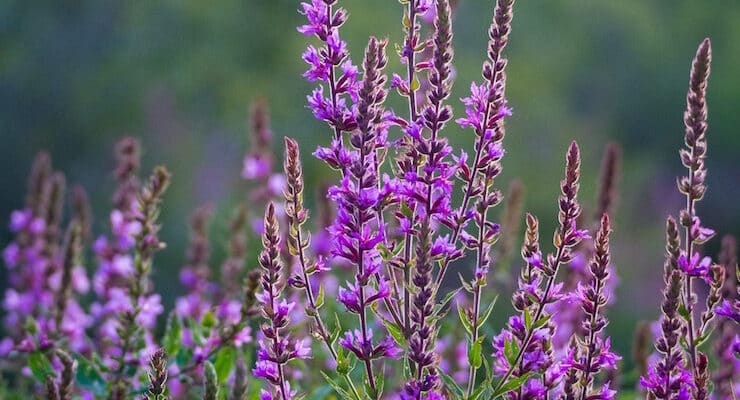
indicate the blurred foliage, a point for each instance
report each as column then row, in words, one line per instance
column 180, row 74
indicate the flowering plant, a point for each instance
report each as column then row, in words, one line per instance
column 405, row 210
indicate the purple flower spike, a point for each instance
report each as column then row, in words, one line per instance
column 278, row 348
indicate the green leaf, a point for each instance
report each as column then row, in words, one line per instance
column 487, row 314
column 173, row 335
column 451, row 384
column 464, row 319
column 465, row 284
column 320, row 298
column 542, row 322
column 474, row 354
column 394, row 330
column 527, row 319
column 211, row 381
column 511, row 350
column 337, row 388
column 196, row 332
column 683, row 312
column 406, row 211
column 224, row 363
column 703, row 338
column 208, row 321
column 448, row 298
column 40, row 366
column 380, row 381
column 89, row 377
column 337, row 331
column 415, row 84
column 478, row 392
column 514, row 383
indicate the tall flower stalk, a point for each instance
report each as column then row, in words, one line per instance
column 528, row 333
column 330, row 64
column 411, row 158
column 140, row 309
column 485, row 109
column 277, row 347
column 692, row 186
column 595, row 350
column 298, row 245
column 726, row 377
column 357, row 229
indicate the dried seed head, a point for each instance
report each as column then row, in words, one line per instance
column 531, row 244
column 40, row 174
column 610, row 166
column 82, row 211
column 199, row 250
column 640, row 346
column 261, row 135
column 128, row 157
column 250, row 289
column 54, row 200
column 511, row 221
column 233, row 265
column 128, row 154
column 72, row 259
column 728, row 259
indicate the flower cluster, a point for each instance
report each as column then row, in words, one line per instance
column 38, row 311
column 570, row 315
column 685, row 372
column 524, row 347
column 592, row 353
column 276, row 348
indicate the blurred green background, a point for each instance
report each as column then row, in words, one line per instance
column 180, row 75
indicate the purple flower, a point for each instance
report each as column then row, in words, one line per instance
column 695, row 267
column 728, row 310
column 277, row 348
column 256, row 167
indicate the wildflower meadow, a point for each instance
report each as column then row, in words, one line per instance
column 410, row 272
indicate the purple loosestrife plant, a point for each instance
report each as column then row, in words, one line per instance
column 594, row 349
column 687, row 260
column 298, row 245
column 570, row 315
column 408, row 164
column 388, row 225
column 357, row 228
column 485, row 110
column 523, row 348
column 276, row 348
column 138, row 307
column 727, row 345
column 668, row 378
column 331, row 66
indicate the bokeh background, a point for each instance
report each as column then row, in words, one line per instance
column 181, row 74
